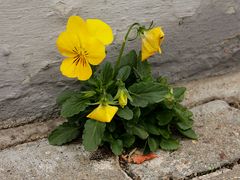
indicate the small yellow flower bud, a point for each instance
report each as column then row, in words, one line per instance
column 122, row 98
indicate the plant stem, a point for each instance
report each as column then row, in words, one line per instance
column 124, row 43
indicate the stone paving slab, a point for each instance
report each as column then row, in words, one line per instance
column 26, row 133
column 225, row 87
column 223, row 174
column 218, row 127
column 39, row 160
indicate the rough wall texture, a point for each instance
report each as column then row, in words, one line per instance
column 202, row 38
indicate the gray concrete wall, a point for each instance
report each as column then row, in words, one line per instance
column 202, row 39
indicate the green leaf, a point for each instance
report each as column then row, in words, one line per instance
column 88, row 94
column 143, row 71
column 184, row 116
column 151, row 128
column 63, row 134
column 184, row 125
column 107, row 73
column 107, row 137
column 178, row 93
column 128, row 140
column 153, row 144
column 137, row 112
column 164, row 117
column 117, row 147
column 164, row 132
column 129, row 59
column 169, row 104
column 124, row 73
column 169, row 144
column 73, row 106
column 162, row 80
column 144, row 93
column 111, row 126
column 125, row 113
column 189, row 133
column 139, row 131
column 63, row 96
column 93, row 134
column 95, row 82
column 182, row 112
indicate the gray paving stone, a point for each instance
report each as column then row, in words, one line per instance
column 225, row 87
column 39, row 160
column 218, row 127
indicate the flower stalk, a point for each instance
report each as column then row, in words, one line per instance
column 124, row 43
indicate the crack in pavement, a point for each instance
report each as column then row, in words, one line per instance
column 22, row 142
column 229, row 165
column 125, row 168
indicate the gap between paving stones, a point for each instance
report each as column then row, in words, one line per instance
column 27, row 133
column 223, row 174
column 229, row 166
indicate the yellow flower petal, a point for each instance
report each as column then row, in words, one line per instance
column 151, row 42
column 66, row 43
column 95, row 51
column 77, row 24
column 68, row 68
column 84, row 71
column 72, row 69
column 103, row 113
column 100, row 30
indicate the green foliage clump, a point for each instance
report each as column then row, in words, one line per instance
column 152, row 118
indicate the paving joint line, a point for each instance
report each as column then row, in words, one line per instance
column 229, row 165
column 23, row 142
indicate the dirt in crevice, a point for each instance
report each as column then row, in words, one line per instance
column 234, row 104
column 124, row 165
column 102, row 153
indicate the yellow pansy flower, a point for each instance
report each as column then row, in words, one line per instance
column 151, row 41
column 83, row 44
column 103, row 113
